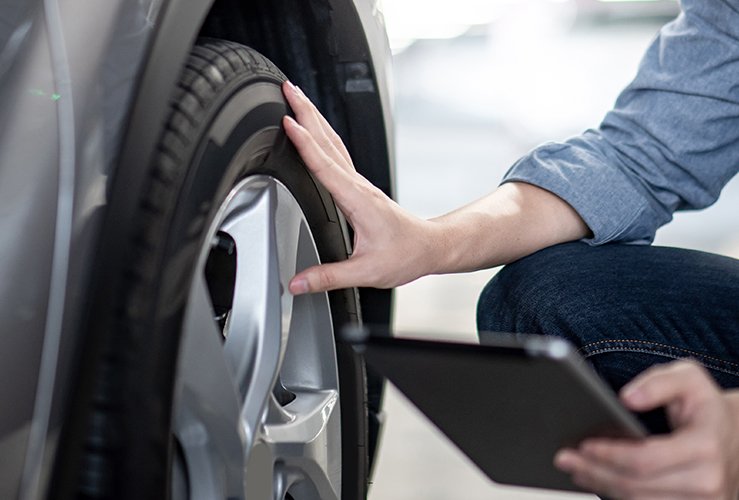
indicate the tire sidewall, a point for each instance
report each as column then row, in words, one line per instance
column 222, row 156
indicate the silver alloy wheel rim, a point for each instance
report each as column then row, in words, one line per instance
column 237, row 440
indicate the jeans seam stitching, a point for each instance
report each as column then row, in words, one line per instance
column 708, row 365
column 584, row 348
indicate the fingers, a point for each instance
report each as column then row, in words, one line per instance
column 613, row 483
column 338, row 181
column 691, row 480
column 665, row 384
column 656, row 455
column 310, row 118
column 589, row 476
column 327, row 277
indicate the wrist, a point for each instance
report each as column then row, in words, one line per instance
column 450, row 247
column 434, row 248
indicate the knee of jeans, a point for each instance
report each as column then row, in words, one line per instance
column 492, row 312
column 506, row 305
column 543, row 293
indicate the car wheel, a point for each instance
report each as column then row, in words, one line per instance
column 218, row 383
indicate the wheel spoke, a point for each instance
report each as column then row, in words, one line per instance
column 254, row 343
column 291, row 231
column 311, row 344
column 303, row 444
column 207, row 421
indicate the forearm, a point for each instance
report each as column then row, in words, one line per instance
column 393, row 247
column 514, row 221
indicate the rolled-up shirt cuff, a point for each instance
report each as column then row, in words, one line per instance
column 601, row 193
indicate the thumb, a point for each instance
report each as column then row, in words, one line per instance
column 662, row 385
column 326, row 277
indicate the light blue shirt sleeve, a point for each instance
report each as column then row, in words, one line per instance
column 670, row 143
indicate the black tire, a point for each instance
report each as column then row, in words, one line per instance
column 129, row 446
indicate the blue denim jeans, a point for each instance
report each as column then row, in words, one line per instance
column 625, row 307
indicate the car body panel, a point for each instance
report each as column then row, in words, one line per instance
column 42, row 237
column 28, row 197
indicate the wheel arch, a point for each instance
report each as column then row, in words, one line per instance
column 325, row 47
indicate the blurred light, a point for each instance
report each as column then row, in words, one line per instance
column 411, row 20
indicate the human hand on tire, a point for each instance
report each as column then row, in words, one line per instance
column 391, row 246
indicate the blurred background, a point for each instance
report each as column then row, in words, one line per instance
column 478, row 83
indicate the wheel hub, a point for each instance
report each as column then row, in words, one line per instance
column 257, row 412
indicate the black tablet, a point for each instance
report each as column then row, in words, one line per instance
column 509, row 404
